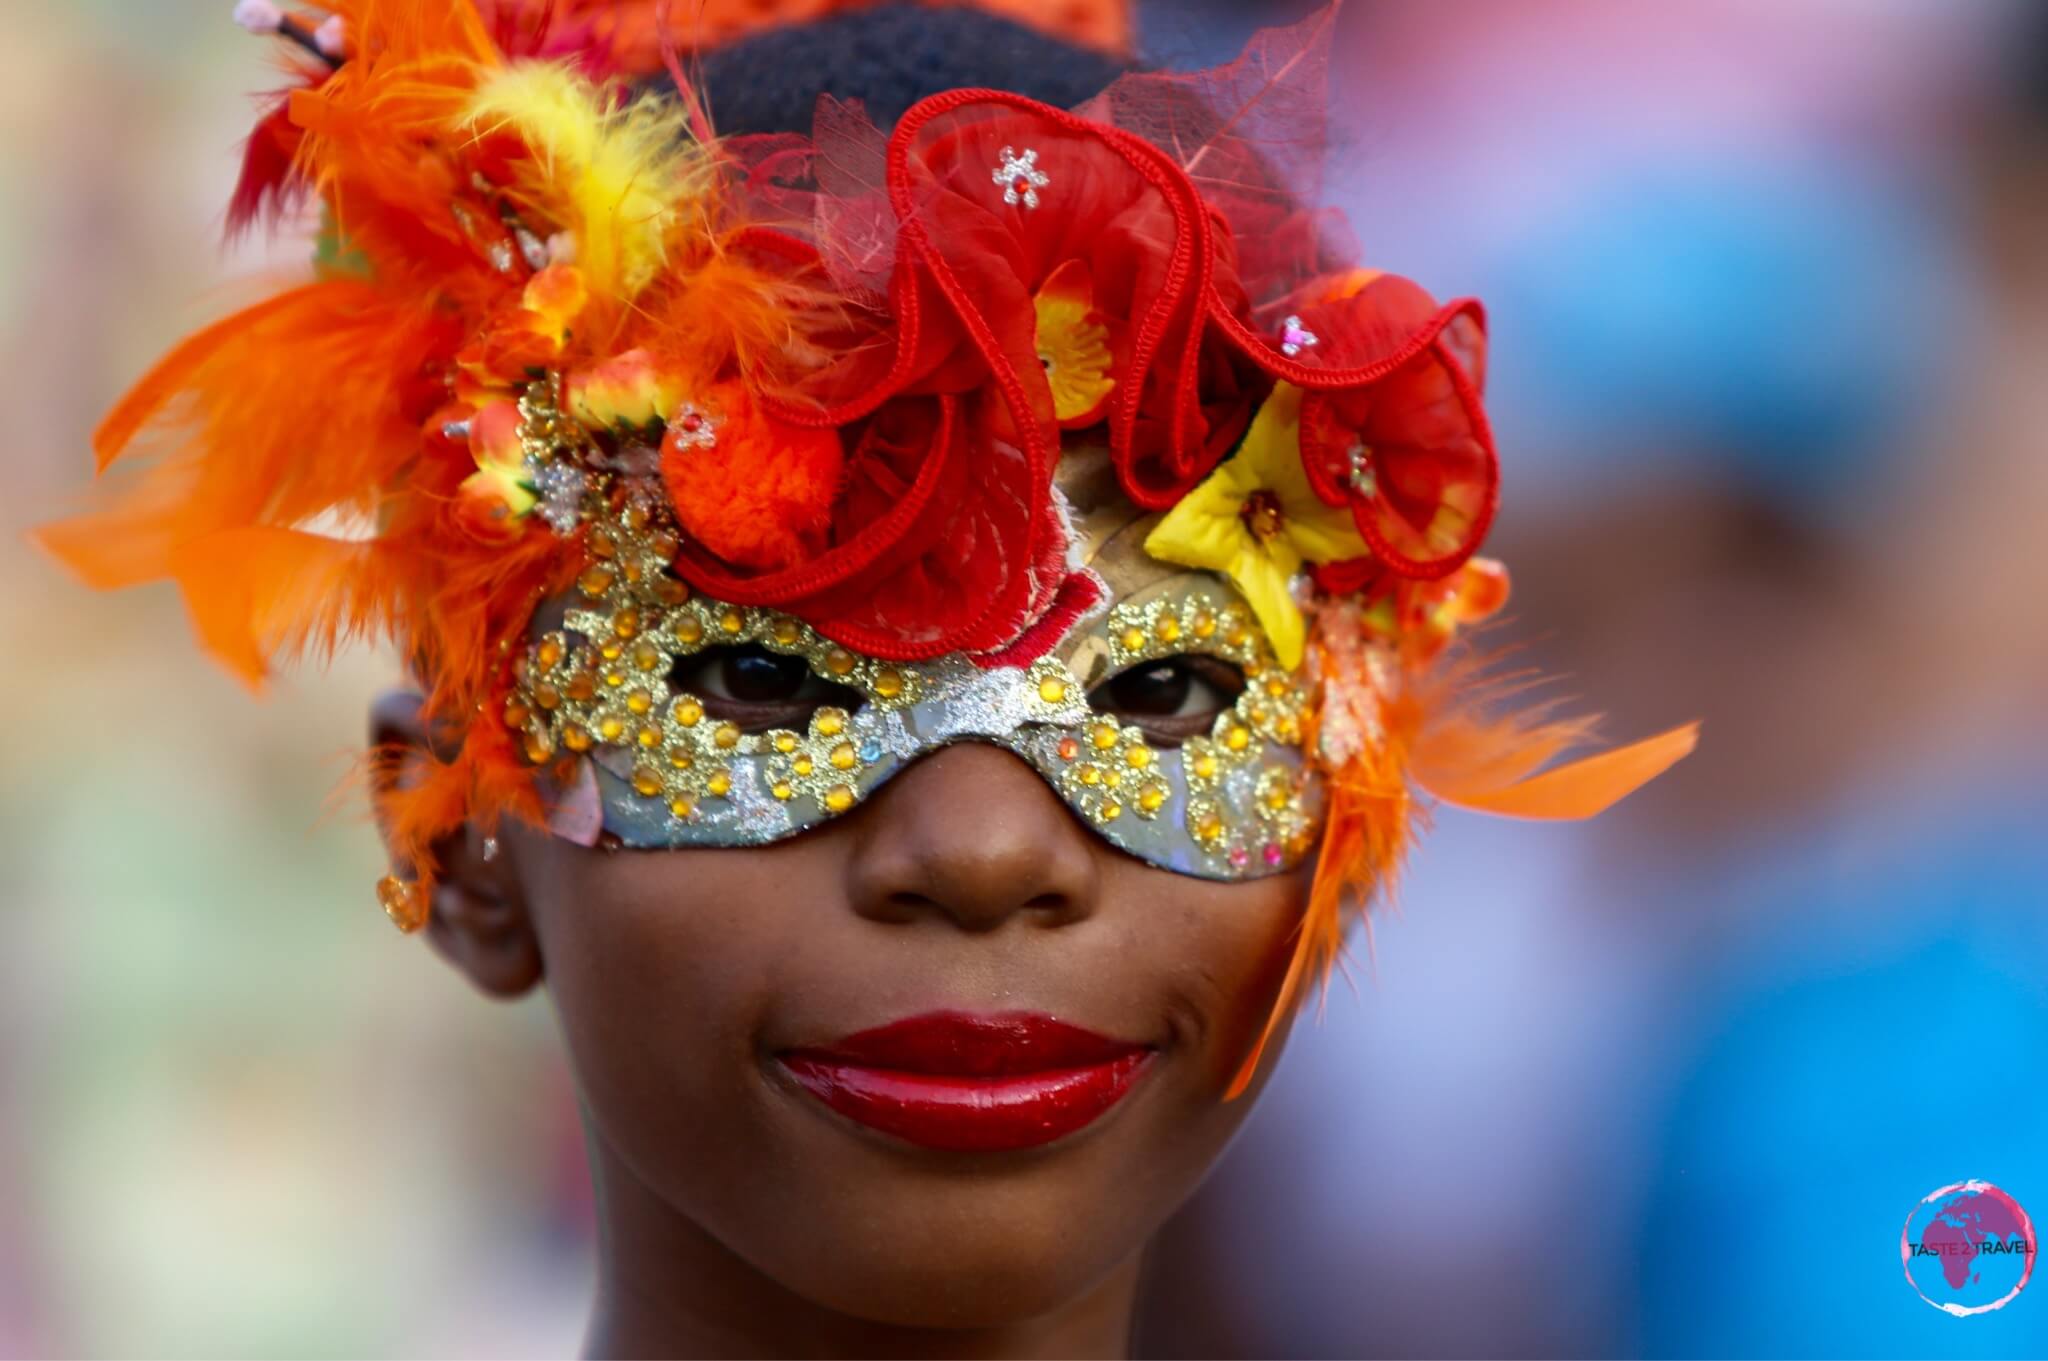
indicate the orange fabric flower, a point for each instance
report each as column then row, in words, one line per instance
column 754, row 490
column 518, row 341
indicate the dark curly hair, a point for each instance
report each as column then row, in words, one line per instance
column 889, row 57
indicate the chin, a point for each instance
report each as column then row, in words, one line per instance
column 970, row 1254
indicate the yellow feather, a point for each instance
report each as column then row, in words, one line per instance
column 619, row 178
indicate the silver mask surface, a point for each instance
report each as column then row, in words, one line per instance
column 1239, row 801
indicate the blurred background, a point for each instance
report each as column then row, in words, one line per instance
column 1769, row 293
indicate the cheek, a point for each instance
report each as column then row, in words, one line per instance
column 658, row 974
column 1219, row 952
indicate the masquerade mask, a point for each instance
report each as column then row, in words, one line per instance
column 706, row 484
column 1210, row 779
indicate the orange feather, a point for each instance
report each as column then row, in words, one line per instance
column 283, row 412
column 1458, row 733
column 259, row 593
column 1365, row 838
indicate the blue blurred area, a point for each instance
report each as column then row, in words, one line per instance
column 1787, row 322
column 1766, row 294
column 1878, row 1030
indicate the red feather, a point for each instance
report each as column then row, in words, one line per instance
column 268, row 186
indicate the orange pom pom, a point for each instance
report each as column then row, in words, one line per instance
column 756, row 491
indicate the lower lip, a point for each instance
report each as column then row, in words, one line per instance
column 969, row 1114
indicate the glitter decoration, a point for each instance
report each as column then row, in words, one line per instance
column 1359, row 470
column 1222, row 815
column 1294, row 337
column 404, row 902
column 1020, row 177
column 561, row 489
column 599, row 683
column 602, row 681
column 553, row 446
column 531, row 248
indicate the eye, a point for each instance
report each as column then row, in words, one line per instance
column 758, row 689
column 1172, row 698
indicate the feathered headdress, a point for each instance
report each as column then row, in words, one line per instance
column 559, row 338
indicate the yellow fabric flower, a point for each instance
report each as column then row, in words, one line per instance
column 1255, row 520
column 1075, row 346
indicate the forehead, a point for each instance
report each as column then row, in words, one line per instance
column 1108, row 538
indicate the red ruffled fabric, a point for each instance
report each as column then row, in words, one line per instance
column 1431, row 479
column 1181, row 197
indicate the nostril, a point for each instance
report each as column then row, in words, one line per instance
column 905, row 907
column 973, row 912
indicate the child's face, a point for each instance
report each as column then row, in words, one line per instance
column 1064, row 893
column 697, row 989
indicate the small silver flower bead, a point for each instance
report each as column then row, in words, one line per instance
column 693, row 428
column 1020, row 177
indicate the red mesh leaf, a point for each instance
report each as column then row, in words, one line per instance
column 773, row 177
column 856, row 227
column 1252, row 137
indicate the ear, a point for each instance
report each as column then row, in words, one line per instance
column 478, row 919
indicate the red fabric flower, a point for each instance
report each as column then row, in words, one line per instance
column 969, row 263
column 1410, row 451
column 1132, row 219
column 947, row 536
column 1022, row 238
column 935, row 540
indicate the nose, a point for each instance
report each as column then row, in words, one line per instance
column 972, row 835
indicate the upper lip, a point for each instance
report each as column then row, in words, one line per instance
column 971, row 1044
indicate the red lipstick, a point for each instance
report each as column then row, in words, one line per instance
column 971, row 1083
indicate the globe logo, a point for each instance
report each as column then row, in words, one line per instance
column 1968, row 1248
